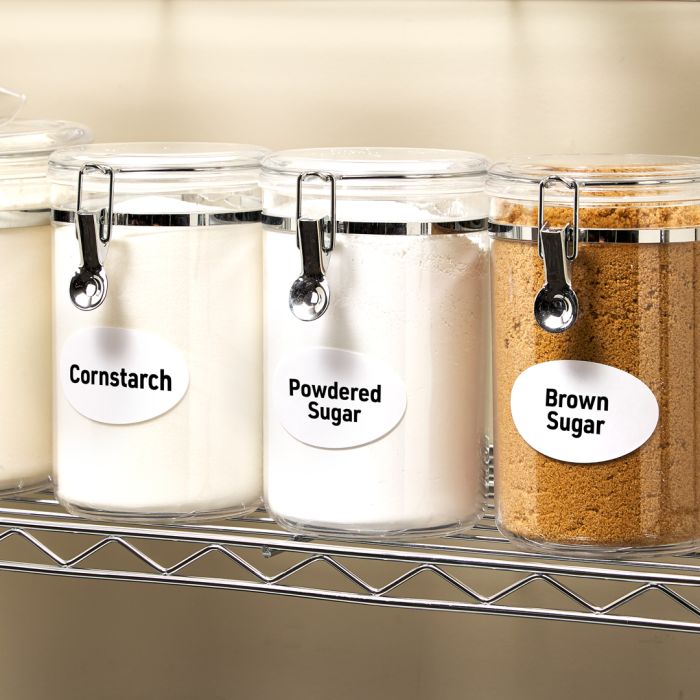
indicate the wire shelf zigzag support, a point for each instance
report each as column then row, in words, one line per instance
column 462, row 562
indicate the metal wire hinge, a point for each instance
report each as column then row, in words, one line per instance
column 309, row 294
column 88, row 287
column 556, row 304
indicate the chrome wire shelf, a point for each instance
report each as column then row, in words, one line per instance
column 479, row 571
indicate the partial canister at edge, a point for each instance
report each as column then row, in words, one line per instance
column 26, row 425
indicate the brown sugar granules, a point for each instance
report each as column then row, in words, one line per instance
column 651, row 215
column 639, row 312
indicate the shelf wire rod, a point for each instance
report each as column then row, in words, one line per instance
column 678, row 598
column 352, row 550
column 21, row 534
column 420, row 546
column 275, row 578
column 478, row 562
column 512, row 588
column 85, row 554
column 462, row 587
column 350, row 576
column 382, row 591
column 282, row 575
column 276, row 531
column 530, row 554
column 214, row 548
column 626, row 598
column 568, row 593
column 46, row 523
column 340, row 596
column 292, row 570
column 408, row 545
column 523, row 583
column 124, row 544
column 404, row 578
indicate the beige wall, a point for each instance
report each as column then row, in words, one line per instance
column 495, row 76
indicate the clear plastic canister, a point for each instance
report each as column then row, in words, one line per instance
column 596, row 302
column 25, row 313
column 157, row 265
column 375, row 268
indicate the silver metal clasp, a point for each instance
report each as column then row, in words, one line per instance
column 556, row 304
column 88, row 287
column 309, row 294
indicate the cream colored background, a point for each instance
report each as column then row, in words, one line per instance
column 495, row 76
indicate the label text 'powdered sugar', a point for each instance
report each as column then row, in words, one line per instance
column 337, row 399
column 334, row 392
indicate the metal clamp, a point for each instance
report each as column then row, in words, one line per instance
column 572, row 236
column 88, row 287
column 556, row 304
column 332, row 229
column 309, row 294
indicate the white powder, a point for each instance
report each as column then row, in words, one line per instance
column 198, row 289
column 26, row 423
column 25, row 357
column 417, row 304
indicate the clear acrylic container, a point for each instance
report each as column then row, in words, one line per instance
column 374, row 355
column 157, row 330
column 596, row 346
column 25, row 314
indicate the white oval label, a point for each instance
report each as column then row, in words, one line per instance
column 336, row 399
column 582, row 412
column 118, row 375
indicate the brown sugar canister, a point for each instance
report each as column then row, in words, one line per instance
column 596, row 350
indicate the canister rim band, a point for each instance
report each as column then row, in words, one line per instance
column 178, row 220
column 24, row 218
column 380, row 228
column 649, row 235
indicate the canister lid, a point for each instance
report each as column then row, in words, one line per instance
column 25, row 146
column 603, row 178
column 161, row 162
column 390, row 185
column 388, row 167
column 39, row 137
